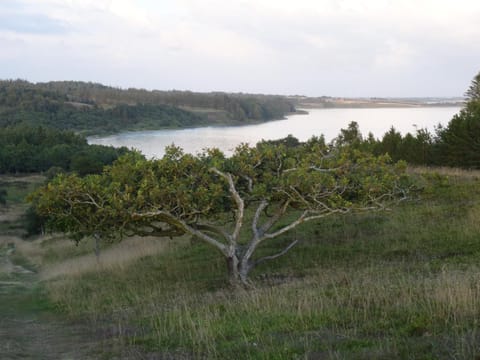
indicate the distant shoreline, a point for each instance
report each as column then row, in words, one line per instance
column 372, row 104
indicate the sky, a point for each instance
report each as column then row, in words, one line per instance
column 350, row 48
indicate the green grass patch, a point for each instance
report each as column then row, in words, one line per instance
column 18, row 187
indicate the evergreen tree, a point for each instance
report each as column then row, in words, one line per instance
column 473, row 92
column 459, row 141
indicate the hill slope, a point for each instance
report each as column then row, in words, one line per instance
column 91, row 108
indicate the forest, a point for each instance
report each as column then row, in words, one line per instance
column 29, row 149
column 90, row 108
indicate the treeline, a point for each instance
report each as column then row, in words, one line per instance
column 240, row 106
column 95, row 109
column 23, row 103
column 457, row 144
column 25, row 149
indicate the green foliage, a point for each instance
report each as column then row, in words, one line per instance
column 415, row 149
column 459, row 141
column 419, row 149
column 273, row 186
column 33, row 223
column 473, row 92
column 25, row 149
column 239, row 106
column 94, row 109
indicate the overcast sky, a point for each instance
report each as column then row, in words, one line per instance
column 309, row 47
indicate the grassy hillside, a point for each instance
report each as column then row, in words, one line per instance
column 90, row 108
column 388, row 285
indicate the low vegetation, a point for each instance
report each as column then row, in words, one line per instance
column 400, row 284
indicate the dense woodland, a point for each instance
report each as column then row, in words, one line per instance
column 27, row 149
column 90, row 108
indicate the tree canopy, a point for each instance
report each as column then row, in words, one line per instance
column 233, row 204
column 93, row 109
column 26, row 149
column 473, row 92
column 459, row 141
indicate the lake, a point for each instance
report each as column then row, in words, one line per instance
column 318, row 121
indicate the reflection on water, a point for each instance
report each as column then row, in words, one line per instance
column 319, row 121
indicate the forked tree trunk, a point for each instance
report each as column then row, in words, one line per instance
column 237, row 271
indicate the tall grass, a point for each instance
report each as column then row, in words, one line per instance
column 391, row 285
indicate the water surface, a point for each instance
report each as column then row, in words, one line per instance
column 319, row 121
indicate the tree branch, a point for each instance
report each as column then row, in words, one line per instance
column 315, row 168
column 260, row 208
column 304, row 217
column 258, row 236
column 281, row 253
column 175, row 222
column 239, row 212
column 278, row 214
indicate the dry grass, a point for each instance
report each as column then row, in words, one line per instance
column 119, row 256
column 11, row 213
column 30, row 178
column 446, row 171
column 340, row 306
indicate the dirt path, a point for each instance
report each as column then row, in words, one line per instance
column 28, row 327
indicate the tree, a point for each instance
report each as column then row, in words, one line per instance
column 473, row 92
column 233, row 204
column 459, row 141
column 391, row 143
column 350, row 136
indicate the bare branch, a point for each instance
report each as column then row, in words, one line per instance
column 278, row 214
column 304, row 217
column 260, row 208
column 175, row 222
column 213, row 229
column 258, row 233
column 292, row 225
column 239, row 212
column 168, row 232
column 315, row 168
column 281, row 253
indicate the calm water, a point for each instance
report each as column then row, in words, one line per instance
column 319, row 121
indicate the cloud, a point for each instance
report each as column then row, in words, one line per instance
column 31, row 24
column 331, row 47
column 394, row 56
column 15, row 18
